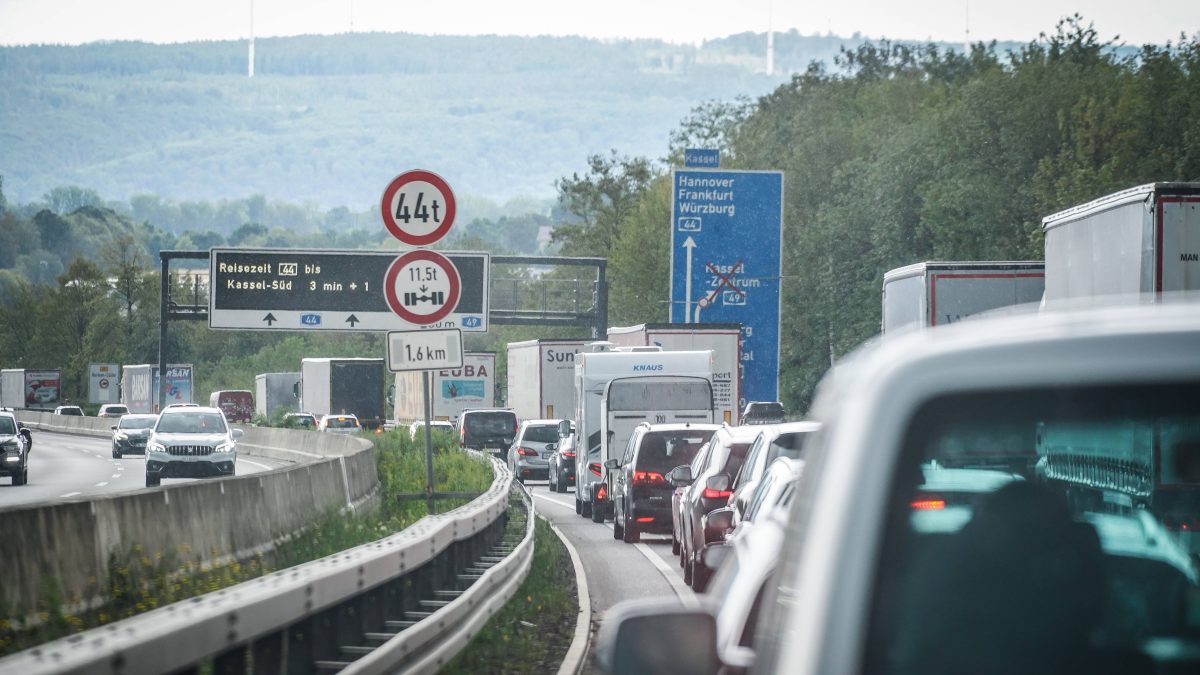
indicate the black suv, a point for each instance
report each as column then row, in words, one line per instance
column 641, row 493
column 487, row 429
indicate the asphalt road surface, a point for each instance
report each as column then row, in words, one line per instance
column 68, row 467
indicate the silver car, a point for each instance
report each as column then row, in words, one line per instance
column 189, row 443
column 529, row 454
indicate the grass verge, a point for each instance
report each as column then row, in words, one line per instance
column 139, row 580
column 533, row 631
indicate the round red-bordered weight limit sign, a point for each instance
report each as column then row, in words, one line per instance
column 412, row 287
column 418, row 207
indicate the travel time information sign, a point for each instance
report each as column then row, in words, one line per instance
column 726, row 247
column 286, row 289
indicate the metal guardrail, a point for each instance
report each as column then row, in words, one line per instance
column 406, row 603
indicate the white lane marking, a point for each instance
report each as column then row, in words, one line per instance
column 264, row 467
column 102, row 484
column 685, row 592
column 116, row 475
column 69, row 494
column 573, row 662
column 552, row 500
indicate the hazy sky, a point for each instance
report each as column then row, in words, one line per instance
column 76, row 21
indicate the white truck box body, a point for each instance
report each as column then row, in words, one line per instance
column 273, row 390
column 541, row 378
column 593, row 373
column 936, row 293
column 1141, row 240
column 349, row 385
column 137, row 388
column 12, row 388
column 725, row 341
column 454, row 390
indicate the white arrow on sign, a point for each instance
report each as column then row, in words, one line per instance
column 690, row 245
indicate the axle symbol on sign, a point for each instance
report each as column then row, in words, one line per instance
column 434, row 298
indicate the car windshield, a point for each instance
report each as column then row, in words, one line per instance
column 7, row 428
column 661, row 451
column 300, row 420
column 133, row 422
column 117, row 410
column 1032, row 529
column 190, row 423
column 341, row 423
column 542, row 433
column 492, row 423
column 70, row 411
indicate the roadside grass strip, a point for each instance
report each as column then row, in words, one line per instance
column 534, row 630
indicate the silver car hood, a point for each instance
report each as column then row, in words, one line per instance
column 190, row 439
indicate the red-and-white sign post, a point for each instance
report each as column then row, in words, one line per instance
column 421, row 286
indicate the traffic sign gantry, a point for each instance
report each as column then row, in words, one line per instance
column 285, row 289
column 422, row 287
column 418, row 208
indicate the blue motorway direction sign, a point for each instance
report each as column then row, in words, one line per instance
column 726, row 239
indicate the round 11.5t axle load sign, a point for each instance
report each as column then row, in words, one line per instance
column 418, row 208
column 422, row 287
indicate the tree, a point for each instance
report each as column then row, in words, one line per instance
column 67, row 199
column 600, row 201
column 124, row 262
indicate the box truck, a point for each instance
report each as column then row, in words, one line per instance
column 725, row 341
column 12, row 388
column 1144, row 240
column 931, row 294
column 617, row 389
column 137, row 391
column 352, row 386
column 454, row 390
column 237, row 404
column 32, row 389
column 541, row 378
column 273, row 391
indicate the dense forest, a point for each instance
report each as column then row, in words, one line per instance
column 893, row 154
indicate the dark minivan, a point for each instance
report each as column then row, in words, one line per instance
column 487, row 430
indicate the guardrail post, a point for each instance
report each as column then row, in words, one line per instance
column 268, row 654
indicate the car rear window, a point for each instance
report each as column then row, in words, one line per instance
column 7, row 428
column 118, row 409
column 662, row 451
column 542, row 433
column 491, row 423
column 341, row 423
column 128, row 422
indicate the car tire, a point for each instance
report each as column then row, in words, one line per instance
column 153, row 479
column 674, row 543
column 630, row 534
column 687, row 571
column 561, row 485
column 116, row 454
column 25, row 476
column 618, row 529
column 585, row 509
column 597, row 513
column 19, row 477
column 700, row 576
column 578, row 506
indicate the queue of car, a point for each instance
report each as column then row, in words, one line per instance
column 1005, row 495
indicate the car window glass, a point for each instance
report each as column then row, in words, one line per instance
column 341, row 423
column 7, row 428
column 662, row 451
column 1034, row 529
column 128, row 422
column 749, row 469
column 734, row 456
column 541, row 433
column 191, row 423
column 788, row 445
column 497, row 423
column 760, row 493
column 627, row 456
column 702, row 457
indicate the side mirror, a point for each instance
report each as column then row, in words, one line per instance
column 113, row 427
column 564, row 428
column 719, row 482
column 713, row 556
column 613, row 464
column 680, row 475
column 238, row 433
column 656, row 636
column 717, row 523
column 551, row 447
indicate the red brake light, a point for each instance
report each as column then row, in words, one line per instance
column 928, row 504
column 594, row 467
column 526, row 452
column 647, row 519
column 710, row 493
column 569, row 455
column 648, row 478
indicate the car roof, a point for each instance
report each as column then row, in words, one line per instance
column 546, row 422
column 180, row 409
column 680, row 426
column 138, row 416
column 328, row 415
column 739, row 434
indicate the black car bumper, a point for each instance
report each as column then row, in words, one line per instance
column 651, row 517
column 190, row 469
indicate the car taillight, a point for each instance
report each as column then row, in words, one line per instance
column 710, row 493
column 928, row 504
column 648, row 478
column 526, row 452
column 569, row 455
column 594, row 467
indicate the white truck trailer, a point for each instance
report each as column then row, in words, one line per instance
column 12, row 388
column 276, row 390
column 616, row 390
column 348, row 385
column 138, row 392
column 541, row 378
column 1141, row 240
column 931, row 294
column 725, row 341
column 454, row 390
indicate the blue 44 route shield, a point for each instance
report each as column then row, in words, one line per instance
column 726, row 240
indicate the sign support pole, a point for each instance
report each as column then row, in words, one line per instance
column 426, row 394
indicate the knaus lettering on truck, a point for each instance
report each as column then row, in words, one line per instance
column 648, row 368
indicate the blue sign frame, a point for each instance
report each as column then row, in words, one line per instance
column 726, row 254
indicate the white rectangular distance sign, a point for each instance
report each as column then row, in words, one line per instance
column 424, row 349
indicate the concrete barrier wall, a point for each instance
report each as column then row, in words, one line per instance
column 207, row 519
